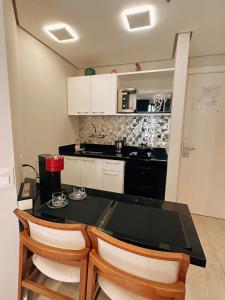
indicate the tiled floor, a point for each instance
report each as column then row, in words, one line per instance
column 202, row 283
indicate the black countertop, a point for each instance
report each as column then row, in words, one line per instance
column 108, row 152
column 149, row 223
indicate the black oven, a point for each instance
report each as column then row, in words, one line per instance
column 145, row 178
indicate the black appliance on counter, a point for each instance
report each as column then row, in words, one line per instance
column 127, row 100
column 50, row 167
column 146, row 176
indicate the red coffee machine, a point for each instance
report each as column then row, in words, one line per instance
column 50, row 167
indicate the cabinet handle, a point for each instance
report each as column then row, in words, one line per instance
column 112, row 163
column 83, row 112
column 111, row 174
column 98, row 112
column 90, row 160
column 72, row 158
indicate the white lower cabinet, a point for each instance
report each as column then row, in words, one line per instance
column 91, row 173
column 113, row 181
column 113, row 176
column 95, row 173
column 113, row 165
column 71, row 172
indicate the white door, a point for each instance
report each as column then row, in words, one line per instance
column 71, row 173
column 79, row 95
column 202, row 174
column 103, row 94
column 91, row 173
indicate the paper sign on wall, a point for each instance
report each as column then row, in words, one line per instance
column 208, row 100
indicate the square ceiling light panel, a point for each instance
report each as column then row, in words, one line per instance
column 139, row 18
column 62, row 33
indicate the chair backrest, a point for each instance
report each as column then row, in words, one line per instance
column 59, row 235
column 158, row 266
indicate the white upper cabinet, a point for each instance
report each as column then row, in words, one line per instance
column 79, row 95
column 95, row 95
column 103, row 94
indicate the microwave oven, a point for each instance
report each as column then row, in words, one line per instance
column 154, row 103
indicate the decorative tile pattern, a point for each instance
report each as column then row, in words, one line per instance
column 151, row 130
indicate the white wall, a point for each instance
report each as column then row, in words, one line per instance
column 38, row 90
column 14, row 81
column 45, row 122
column 8, row 223
column 207, row 60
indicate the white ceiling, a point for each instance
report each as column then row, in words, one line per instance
column 104, row 40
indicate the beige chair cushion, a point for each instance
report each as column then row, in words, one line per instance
column 56, row 270
column 143, row 267
column 63, row 239
column 72, row 240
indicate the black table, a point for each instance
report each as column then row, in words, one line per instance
column 149, row 223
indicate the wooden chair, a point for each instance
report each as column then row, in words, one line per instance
column 60, row 251
column 125, row 272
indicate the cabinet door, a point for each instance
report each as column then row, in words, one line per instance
column 113, row 181
column 71, row 172
column 79, row 95
column 91, row 173
column 103, row 94
column 113, row 165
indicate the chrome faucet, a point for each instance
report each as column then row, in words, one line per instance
column 96, row 135
column 93, row 135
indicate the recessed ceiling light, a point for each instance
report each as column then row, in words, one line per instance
column 62, row 33
column 139, row 18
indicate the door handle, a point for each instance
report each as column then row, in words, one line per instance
column 111, row 174
column 189, row 148
column 186, row 149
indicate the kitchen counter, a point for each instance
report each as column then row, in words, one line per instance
column 108, row 152
column 142, row 171
column 149, row 223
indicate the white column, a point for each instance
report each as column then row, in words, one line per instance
column 8, row 222
column 176, row 125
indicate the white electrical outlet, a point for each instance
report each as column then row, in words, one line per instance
column 6, row 178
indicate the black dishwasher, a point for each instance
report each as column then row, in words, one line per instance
column 145, row 177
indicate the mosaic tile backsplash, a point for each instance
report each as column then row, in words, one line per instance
column 151, row 130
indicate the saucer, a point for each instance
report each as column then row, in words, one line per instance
column 50, row 205
column 74, row 197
